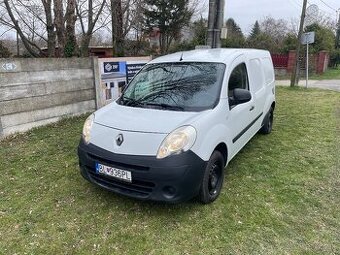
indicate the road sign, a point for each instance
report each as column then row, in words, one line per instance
column 9, row 66
column 312, row 13
column 308, row 38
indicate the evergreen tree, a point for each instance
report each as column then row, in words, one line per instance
column 200, row 29
column 255, row 31
column 168, row 16
column 235, row 37
column 234, row 30
column 289, row 43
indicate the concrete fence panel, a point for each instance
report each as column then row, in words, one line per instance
column 35, row 92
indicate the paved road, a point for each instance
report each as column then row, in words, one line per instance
column 322, row 84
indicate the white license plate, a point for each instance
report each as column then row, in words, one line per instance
column 114, row 172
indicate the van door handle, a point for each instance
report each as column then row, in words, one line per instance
column 252, row 108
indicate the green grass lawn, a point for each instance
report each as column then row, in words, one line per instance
column 281, row 194
column 330, row 74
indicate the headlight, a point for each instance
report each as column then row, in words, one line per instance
column 87, row 128
column 179, row 140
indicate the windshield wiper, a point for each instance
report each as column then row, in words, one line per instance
column 139, row 102
column 166, row 106
column 130, row 101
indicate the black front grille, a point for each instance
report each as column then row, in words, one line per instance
column 116, row 164
column 136, row 187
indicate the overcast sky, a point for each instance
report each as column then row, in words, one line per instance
column 246, row 12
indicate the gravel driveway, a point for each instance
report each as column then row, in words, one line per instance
column 322, row 84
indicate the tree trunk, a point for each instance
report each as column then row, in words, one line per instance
column 162, row 42
column 49, row 28
column 59, row 24
column 70, row 45
column 84, row 45
column 117, row 28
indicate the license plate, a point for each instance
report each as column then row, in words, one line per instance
column 114, row 172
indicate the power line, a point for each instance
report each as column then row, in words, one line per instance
column 321, row 10
column 328, row 5
column 296, row 3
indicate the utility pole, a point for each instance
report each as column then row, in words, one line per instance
column 211, row 18
column 337, row 41
column 298, row 45
column 215, row 23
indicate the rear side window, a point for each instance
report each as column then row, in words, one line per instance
column 238, row 79
column 256, row 74
column 268, row 70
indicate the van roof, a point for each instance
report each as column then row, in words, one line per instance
column 220, row 55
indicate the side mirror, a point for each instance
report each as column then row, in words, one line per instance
column 240, row 96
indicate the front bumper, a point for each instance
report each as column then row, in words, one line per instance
column 174, row 179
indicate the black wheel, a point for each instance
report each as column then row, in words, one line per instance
column 268, row 124
column 213, row 179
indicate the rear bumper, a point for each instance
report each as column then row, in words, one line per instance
column 173, row 179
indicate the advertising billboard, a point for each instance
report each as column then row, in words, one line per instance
column 116, row 73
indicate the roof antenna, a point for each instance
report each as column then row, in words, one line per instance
column 181, row 58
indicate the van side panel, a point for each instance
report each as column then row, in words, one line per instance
column 257, row 89
column 268, row 71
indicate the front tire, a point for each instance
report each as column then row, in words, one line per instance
column 212, row 182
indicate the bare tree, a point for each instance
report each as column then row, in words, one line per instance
column 277, row 29
column 41, row 22
column 15, row 11
column 134, row 22
column 126, row 19
column 89, row 13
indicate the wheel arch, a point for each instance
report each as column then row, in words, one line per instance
column 267, row 113
column 273, row 105
column 223, row 149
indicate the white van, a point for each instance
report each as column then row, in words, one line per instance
column 179, row 122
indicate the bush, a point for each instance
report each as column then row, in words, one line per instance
column 334, row 59
column 136, row 48
column 71, row 48
column 182, row 46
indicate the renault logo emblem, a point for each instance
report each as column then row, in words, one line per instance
column 119, row 139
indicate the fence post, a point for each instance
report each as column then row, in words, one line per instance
column 96, row 78
column 321, row 64
column 291, row 60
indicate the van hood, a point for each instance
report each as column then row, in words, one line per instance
column 144, row 120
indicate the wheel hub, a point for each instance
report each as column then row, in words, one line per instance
column 214, row 177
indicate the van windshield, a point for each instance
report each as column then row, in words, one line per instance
column 175, row 86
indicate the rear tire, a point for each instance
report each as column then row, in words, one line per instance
column 212, row 182
column 268, row 124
